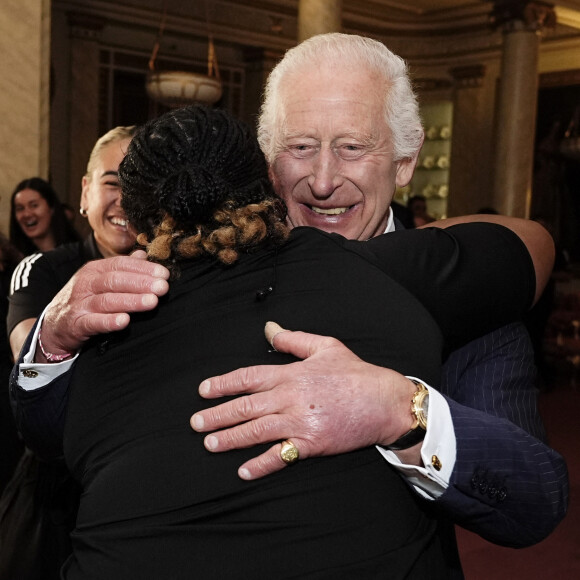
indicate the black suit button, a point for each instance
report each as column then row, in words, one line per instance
column 501, row 494
column 483, row 486
column 492, row 491
column 475, row 480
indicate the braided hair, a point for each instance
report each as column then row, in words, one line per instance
column 195, row 182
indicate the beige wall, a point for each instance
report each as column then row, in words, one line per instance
column 24, row 95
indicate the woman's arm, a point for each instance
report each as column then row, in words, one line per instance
column 536, row 238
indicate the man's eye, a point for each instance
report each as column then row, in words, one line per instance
column 350, row 151
column 301, row 150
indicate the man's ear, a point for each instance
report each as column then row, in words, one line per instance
column 406, row 167
column 272, row 177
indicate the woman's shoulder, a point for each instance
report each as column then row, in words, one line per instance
column 307, row 234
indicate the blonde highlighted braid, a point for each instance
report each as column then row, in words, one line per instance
column 240, row 229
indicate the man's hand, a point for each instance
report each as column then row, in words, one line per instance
column 98, row 298
column 331, row 402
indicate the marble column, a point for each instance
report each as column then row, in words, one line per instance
column 24, row 95
column 318, row 17
column 517, row 103
column 469, row 178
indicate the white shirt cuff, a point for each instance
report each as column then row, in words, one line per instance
column 33, row 375
column 439, row 450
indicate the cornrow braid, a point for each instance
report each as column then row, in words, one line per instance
column 195, row 182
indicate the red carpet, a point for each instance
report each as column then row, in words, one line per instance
column 558, row 556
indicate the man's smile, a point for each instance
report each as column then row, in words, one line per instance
column 330, row 211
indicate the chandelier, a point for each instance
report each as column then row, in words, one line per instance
column 177, row 88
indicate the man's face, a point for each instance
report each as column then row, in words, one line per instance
column 335, row 167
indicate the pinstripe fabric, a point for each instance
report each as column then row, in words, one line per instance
column 507, row 484
column 496, row 374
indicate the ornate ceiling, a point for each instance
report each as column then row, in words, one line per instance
column 421, row 30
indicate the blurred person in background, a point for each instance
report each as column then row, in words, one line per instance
column 418, row 205
column 38, row 222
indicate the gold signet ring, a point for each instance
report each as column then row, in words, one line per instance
column 289, row 452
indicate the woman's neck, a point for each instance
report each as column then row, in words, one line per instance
column 45, row 243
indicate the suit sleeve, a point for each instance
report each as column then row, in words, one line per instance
column 40, row 413
column 507, row 484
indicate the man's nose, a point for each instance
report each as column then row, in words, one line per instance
column 325, row 176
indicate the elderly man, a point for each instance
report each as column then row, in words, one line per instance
column 340, row 129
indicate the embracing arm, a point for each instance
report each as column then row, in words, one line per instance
column 39, row 412
column 535, row 237
column 96, row 300
column 507, row 484
column 349, row 399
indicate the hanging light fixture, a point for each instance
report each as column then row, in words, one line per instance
column 179, row 88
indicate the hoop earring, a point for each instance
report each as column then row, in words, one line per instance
column 83, row 212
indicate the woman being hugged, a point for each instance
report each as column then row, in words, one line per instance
column 156, row 503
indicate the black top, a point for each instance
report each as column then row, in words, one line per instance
column 39, row 277
column 156, row 504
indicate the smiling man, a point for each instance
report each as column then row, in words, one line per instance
column 331, row 161
column 340, row 129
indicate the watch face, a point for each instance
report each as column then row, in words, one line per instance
column 421, row 406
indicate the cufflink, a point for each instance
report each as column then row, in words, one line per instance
column 436, row 463
column 30, row 374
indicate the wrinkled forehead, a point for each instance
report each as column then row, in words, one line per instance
column 332, row 101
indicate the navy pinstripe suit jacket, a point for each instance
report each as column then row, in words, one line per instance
column 508, row 485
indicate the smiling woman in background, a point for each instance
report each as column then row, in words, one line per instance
column 37, row 218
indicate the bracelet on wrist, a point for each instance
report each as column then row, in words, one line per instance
column 48, row 355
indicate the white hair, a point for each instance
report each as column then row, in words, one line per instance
column 341, row 50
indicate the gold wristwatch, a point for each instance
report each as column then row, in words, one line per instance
column 419, row 408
